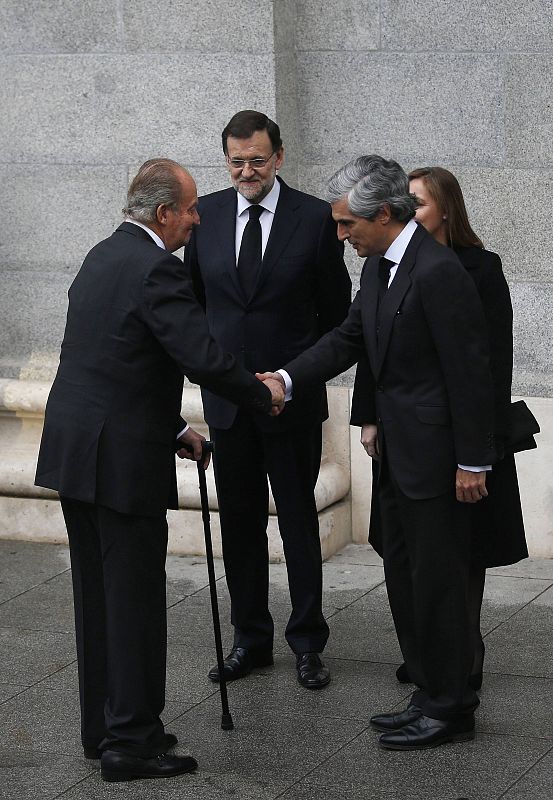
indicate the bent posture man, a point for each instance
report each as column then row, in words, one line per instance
column 418, row 319
column 268, row 268
column 112, row 421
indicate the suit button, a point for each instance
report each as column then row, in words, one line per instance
column 379, row 420
column 379, row 388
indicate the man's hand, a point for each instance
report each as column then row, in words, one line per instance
column 275, row 383
column 470, row 487
column 193, row 449
column 369, row 441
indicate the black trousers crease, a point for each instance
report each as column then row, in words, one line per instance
column 245, row 458
column 426, row 550
column 118, row 569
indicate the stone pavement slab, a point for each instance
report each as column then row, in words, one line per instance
column 288, row 742
column 479, row 770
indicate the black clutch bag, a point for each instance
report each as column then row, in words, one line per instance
column 523, row 427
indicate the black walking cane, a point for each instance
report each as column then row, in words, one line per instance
column 226, row 719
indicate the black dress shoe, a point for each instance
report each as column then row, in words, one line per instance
column 124, row 767
column 94, row 753
column 240, row 663
column 312, row 673
column 426, row 732
column 392, row 722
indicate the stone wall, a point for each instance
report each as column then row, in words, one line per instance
column 89, row 90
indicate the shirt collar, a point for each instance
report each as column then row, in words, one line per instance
column 397, row 249
column 154, row 235
column 269, row 203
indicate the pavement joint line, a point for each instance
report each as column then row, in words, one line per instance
column 324, row 760
column 74, row 785
column 518, row 610
column 523, row 775
column 35, row 586
column 37, row 683
column 356, row 600
column 196, row 592
column 38, row 630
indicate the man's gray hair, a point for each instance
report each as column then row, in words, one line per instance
column 156, row 183
column 369, row 182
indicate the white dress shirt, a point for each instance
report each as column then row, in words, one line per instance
column 154, row 235
column 269, row 204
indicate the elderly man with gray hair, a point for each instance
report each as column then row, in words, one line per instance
column 112, row 426
column 426, row 389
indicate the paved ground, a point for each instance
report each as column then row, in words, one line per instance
column 288, row 743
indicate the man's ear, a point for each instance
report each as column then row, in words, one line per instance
column 384, row 214
column 161, row 214
column 279, row 157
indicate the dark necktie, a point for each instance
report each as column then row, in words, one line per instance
column 384, row 267
column 249, row 257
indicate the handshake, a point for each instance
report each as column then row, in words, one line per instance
column 275, row 383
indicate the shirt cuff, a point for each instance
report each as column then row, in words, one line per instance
column 485, row 468
column 183, row 432
column 287, row 384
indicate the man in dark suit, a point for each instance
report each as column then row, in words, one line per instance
column 268, row 268
column 418, row 320
column 108, row 447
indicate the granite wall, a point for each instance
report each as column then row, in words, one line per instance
column 89, row 90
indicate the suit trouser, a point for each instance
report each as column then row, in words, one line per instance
column 118, row 570
column 244, row 457
column 426, row 548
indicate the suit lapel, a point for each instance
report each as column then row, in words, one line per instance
column 370, row 306
column 284, row 224
column 225, row 227
column 392, row 300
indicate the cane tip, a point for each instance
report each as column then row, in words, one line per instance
column 226, row 722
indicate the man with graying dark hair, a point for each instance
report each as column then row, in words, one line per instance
column 417, row 326
column 112, row 426
column 268, row 268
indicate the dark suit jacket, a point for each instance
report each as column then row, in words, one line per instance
column 484, row 267
column 303, row 290
column 497, row 524
column 133, row 329
column 433, row 400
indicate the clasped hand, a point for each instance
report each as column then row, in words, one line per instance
column 275, row 383
column 470, row 487
column 192, row 448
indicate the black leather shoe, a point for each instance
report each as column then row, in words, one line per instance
column 426, row 732
column 240, row 663
column 94, row 753
column 312, row 673
column 124, row 767
column 393, row 722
